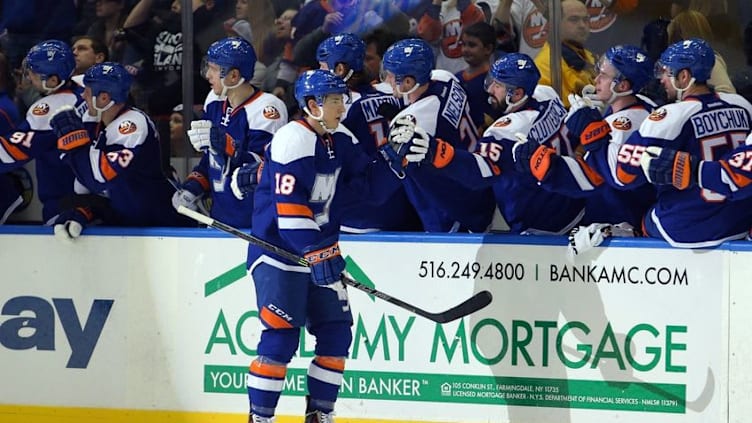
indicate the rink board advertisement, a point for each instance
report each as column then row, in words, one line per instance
column 622, row 334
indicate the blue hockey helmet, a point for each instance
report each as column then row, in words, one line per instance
column 632, row 63
column 515, row 70
column 232, row 53
column 51, row 57
column 342, row 48
column 694, row 54
column 109, row 77
column 410, row 57
column 318, row 83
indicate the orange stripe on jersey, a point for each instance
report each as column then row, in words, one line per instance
column 273, row 320
column 106, row 168
column 14, row 151
column 739, row 180
column 291, row 209
column 624, row 177
column 332, row 363
column 277, row 371
column 594, row 177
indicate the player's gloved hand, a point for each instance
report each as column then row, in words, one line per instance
column 245, row 179
column 533, row 158
column 188, row 195
column 664, row 166
column 585, row 123
column 402, row 130
column 584, row 238
column 588, row 94
column 69, row 224
column 204, row 135
column 325, row 261
column 69, row 129
column 393, row 152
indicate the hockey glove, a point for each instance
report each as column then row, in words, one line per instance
column 70, row 223
column 533, row 158
column 664, row 166
column 204, row 136
column 188, row 195
column 245, row 179
column 588, row 94
column 585, row 123
column 69, row 129
column 584, row 238
column 401, row 130
column 326, row 263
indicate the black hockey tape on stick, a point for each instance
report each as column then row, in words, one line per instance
column 469, row 306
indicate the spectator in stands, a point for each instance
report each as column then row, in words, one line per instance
column 28, row 22
column 88, row 52
column 691, row 24
column 577, row 63
column 111, row 15
column 442, row 25
column 478, row 45
column 157, row 38
column 274, row 46
column 115, row 155
column 743, row 79
column 377, row 42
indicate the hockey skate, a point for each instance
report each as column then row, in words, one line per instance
column 252, row 418
column 316, row 416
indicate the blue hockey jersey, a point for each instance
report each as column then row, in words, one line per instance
column 123, row 164
column 34, row 139
column 251, row 126
column 443, row 203
column 370, row 128
column 307, row 183
column 707, row 126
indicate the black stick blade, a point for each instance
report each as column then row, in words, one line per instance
column 469, row 306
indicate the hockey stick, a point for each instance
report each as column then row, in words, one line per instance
column 471, row 305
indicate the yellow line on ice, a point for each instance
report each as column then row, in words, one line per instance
column 38, row 414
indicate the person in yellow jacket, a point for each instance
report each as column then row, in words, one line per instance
column 577, row 63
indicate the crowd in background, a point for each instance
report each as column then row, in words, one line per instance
column 467, row 36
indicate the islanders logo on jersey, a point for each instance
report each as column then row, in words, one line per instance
column 658, row 114
column 127, row 127
column 623, row 123
column 40, row 109
column 271, row 112
column 504, row 121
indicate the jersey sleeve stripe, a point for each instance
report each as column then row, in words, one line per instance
column 13, row 151
column 297, row 223
column 624, row 177
column 292, row 209
column 594, row 177
column 106, row 168
column 739, row 179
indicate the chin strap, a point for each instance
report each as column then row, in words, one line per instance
column 225, row 88
column 680, row 91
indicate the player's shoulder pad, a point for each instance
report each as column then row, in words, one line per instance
column 443, row 75
column 267, row 113
column 342, row 129
column 624, row 122
column 425, row 111
column 129, row 129
column 506, row 126
column 736, row 100
column 41, row 111
column 210, row 98
column 666, row 122
column 545, row 92
column 292, row 142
